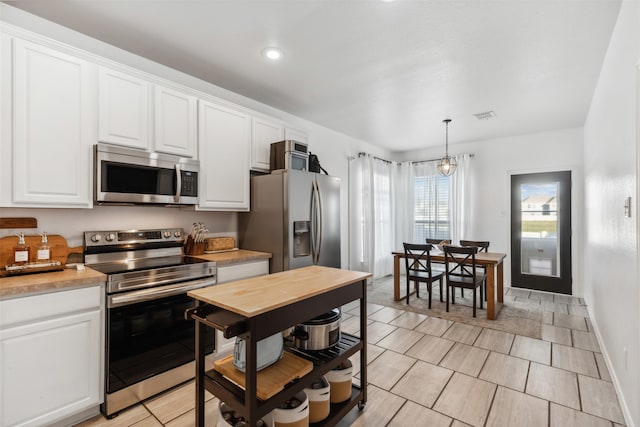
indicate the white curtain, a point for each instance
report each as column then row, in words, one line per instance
column 403, row 202
column 382, row 208
column 372, row 216
column 460, row 200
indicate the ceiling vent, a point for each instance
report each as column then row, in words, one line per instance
column 485, row 115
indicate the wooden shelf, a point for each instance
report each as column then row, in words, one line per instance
column 272, row 379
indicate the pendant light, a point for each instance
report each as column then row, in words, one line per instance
column 447, row 165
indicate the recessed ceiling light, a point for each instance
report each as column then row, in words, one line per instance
column 272, row 53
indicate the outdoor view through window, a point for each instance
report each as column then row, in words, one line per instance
column 431, row 215
column 539, row 243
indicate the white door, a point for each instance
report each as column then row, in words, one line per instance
column 224, row 139
column 123, row 109
column 263, row 133
column 50, row 370
column 175, row 121
column 55, row 126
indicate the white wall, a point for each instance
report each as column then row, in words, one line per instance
column 611, row 269
column 333, row 149
column 494, row 161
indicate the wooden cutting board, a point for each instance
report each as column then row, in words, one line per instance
column 271, row 380
column 57, row 244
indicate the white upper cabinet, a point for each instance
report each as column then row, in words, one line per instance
column 123, row 109
column 175, row 122
column 263, row 133
column 296, row 135
column 54, row 117
column 224, row 139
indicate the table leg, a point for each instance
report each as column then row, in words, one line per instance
column 491, row 298
column 396, row 278
column 500, row 282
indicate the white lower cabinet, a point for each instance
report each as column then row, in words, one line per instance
column 229, row 273
column 50, row 365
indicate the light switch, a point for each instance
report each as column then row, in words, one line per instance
column 627, row 207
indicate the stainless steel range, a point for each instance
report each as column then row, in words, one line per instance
column 149, row 343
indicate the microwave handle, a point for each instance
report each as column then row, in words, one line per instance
column 176, row 198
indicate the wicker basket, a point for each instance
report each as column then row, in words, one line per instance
column 219, row 244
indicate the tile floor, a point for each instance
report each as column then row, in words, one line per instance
column 430, row 371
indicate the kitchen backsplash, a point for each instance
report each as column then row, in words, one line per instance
column 71, row 223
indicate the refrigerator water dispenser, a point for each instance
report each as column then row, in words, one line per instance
column 301, row 238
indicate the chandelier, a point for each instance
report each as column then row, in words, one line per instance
column 447, row 165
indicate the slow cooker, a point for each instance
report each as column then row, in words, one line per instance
column 318, row 333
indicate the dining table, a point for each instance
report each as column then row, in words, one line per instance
column 492, row 261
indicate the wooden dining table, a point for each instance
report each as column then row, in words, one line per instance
column 493, row 261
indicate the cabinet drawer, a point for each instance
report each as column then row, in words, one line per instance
column 228, row 273
column 33, row 308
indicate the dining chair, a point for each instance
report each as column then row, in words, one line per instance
column 438, row 241
column 418, row 268
column 462, row 272
column 483, row 246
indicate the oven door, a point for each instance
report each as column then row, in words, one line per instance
column 147, row 334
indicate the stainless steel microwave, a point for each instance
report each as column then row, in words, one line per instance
column 289, row 154
column 129, row 176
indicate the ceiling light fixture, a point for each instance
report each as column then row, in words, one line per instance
column 272, row 53
column 447, row 165
column 486, row 115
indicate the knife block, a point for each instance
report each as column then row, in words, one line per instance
column 191, row 247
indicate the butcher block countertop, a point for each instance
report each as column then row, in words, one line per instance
column 258, row 295
column 37, row 283
column 235, row 257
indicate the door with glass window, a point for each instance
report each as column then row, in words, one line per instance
column 541, row 231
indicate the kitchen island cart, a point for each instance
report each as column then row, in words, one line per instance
column 256, row 308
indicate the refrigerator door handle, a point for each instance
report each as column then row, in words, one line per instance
column 315, row 216
column 320, row 222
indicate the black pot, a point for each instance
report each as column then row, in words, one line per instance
column 319, row 333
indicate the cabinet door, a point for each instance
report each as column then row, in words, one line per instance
column 50, row 370
column 263, row 133
column 123, row 109
column 55, row 126
column 296, row 135
column 224, row 158
column 175, row 122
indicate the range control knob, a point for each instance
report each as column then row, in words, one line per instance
column 96, row 238
column 167, row 234
column 110, row 237
column 177, row 234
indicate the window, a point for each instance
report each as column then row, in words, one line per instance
column 431, row 215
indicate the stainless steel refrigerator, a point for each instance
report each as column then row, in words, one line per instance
column 295, row 215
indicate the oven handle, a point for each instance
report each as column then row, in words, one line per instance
column 134, row 297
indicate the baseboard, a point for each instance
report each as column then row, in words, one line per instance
column 78, row 418
column 614, row 378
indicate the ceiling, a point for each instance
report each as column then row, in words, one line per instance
column 382, row 72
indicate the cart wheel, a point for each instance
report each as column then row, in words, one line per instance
column 361, row 405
